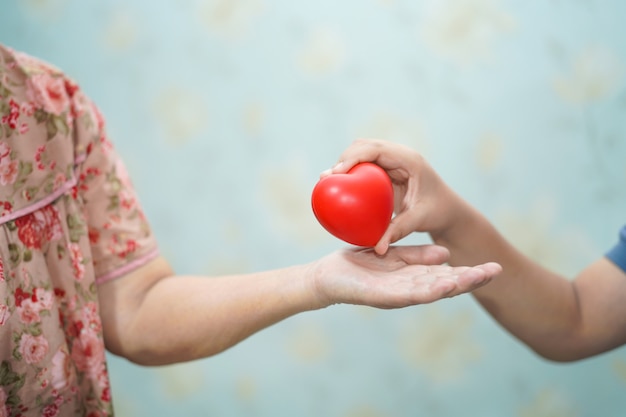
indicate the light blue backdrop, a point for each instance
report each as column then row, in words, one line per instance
column 227, row 110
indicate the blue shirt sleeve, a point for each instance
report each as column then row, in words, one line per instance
column 617, row 255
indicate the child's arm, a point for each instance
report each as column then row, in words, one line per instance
column 560, row 319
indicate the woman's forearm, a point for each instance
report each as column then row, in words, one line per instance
column 229, row 320
column 153, row 317
column 181, row 318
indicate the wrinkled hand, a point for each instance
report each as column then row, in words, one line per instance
column 404, row 276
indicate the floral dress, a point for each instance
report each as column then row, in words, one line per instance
column 69, row 220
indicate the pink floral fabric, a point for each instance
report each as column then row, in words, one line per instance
column 69, row 220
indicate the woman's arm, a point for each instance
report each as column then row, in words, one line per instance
column 153, row 317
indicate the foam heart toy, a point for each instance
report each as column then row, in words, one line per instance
column 357, row 206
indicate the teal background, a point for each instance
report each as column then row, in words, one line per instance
column 227, row 110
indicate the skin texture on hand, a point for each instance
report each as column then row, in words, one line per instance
column 153, row 317
column 404, row 276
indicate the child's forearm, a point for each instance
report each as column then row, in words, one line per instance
column 536, row 305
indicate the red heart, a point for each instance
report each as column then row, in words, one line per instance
column 357, row 206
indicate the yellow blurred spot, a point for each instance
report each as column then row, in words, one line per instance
column 619, row 367
column 121, row 31
column 230, row 18
column 530, row 229
column 489, row 151
column 465, row 30
column 49, row 10
column 181, row 380
column 309, row 343
column 288, row 198
column 324, row 52
column 441, row 346
column 391, row 127
column 253, row 118
column 594, row 74
column 246, row 389
column 182, row 114
column 548, row 403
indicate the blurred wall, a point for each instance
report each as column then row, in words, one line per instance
column 227, row 110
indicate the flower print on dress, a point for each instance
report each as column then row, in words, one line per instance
column 78, row 262
column 5, row 208
column 8, row 171
column 49, row 102
column 28, row 312
column 69, row 216
column 41, row 161
column 44, row 298
column 88, row 354
column 77, row 99
column 31, row 65
column 37, row 228
column 4, row 408
column 10, row 114
column 91, row 316
column 48, row 92
column 13, row 114
column 4, row 314
column 61, row 371
column 5, row 151
column 32, row 349
column 29, row 309
column 50, row 410
column 8, row 165
column 19, row 296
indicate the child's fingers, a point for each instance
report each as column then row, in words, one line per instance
column 399, row 227
column 361, row 150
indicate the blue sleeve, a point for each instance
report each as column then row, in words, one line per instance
column 617, row 255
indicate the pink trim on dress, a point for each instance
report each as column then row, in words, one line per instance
column 41, row 203
column 116, row 273
column 80, row 159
